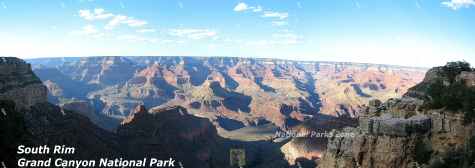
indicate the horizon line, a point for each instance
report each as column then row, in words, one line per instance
column 241, row 57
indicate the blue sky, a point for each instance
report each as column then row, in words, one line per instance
column 403, row 32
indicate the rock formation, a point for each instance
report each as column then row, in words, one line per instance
column 24, row 87
column 418, row 130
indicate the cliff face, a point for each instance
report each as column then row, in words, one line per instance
column 228, row 91
column 161, row 132
column 18, row 83
column 419, row 129
column 28, row 119
column 310, row 139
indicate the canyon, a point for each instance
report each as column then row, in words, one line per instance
column 198, row 109
column 233, row 93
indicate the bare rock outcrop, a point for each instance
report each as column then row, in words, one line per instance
column 419, row 129
column 18, row 83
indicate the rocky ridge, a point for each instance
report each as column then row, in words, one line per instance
column 413, row 131
column 24, row 88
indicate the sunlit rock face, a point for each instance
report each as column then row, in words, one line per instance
column 421, row 129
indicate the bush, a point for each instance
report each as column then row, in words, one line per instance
column 452, row 69
column 456, row 96
column 458, row 158
column 423, row 151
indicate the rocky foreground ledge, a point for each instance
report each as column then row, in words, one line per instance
column 431, row 126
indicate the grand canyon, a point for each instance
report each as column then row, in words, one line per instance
column 197, row 109
column 232, row 93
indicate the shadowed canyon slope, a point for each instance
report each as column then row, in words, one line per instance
column 231, row 92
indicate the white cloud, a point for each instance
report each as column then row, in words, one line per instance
column 115, row 20
column 122, row 19
column 194, row 34
column 457, row 4
column 280, row 23
column 135, row 22
column 241, row 6
column 256, row 9
column 97, row 14
column 146, row 31
column 271, row 14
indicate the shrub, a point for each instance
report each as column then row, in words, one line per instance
column 423, row 151
column 452, row 69
column 456, row 96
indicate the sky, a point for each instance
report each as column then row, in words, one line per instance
column 421, row 33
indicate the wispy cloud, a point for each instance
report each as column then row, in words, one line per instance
column 280, row 23
column 194, row 34
column 122, row 19
column 115, row 20
column 258, row 8
column 96, row 14
column 457, row 4
column 146, row 31
column 277, row 17
column 241, row 6
column 272, row 14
